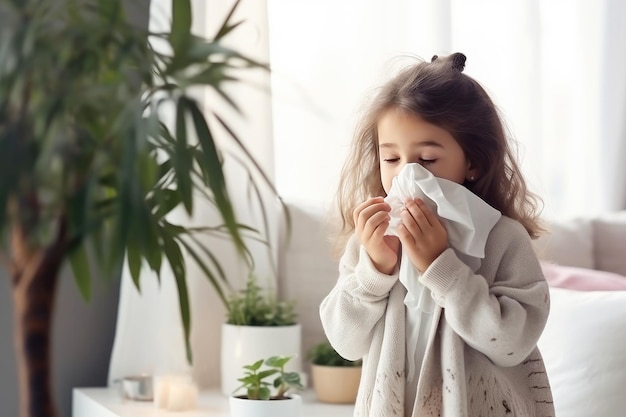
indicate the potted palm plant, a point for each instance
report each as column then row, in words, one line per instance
column 335, row 379
column 91, row 164
column 259, row 383
column 258, row 324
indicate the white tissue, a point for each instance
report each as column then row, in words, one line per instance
column 468, row 221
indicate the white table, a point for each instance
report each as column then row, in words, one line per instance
column 107, row 402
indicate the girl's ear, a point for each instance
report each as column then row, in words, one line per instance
column 472, row 172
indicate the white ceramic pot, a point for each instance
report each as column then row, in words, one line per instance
column 244, row 345
column 242, row 407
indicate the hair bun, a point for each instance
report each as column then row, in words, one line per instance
column 458, row 61
column 455, row 61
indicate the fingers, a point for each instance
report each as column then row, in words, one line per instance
column 371, row 211
column 415, row 218
column 422, row 234
column 429, row 215
column 371, row 219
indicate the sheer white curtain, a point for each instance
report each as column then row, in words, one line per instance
column 554, row 67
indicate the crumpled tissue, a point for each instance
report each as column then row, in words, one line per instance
column 468, row 221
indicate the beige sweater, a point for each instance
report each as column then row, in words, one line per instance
column 481, row 358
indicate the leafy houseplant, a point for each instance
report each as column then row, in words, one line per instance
column 259, row 383
column 335, row 379
column 258, row 324
column 255, row 380
column 90, row 171
column 324, row 354
column 255, row 307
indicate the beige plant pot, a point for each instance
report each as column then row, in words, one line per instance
column 336, row 384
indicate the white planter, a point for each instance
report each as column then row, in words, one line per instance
column 242, row 407
column 244, row 345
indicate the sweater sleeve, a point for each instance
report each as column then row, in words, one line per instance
column 502, row 313
column 357, row 302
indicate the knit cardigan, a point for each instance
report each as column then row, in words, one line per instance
column 481, row 357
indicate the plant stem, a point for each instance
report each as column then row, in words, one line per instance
column 35, row 281
column 35, row 272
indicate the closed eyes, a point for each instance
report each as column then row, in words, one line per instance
column 427, row 161
column 420, row 161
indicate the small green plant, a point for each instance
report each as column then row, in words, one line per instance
column 256, row 383
column 324, row 354
column 255, row 307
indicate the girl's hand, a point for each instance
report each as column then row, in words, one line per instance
column 422, row 234
column 371, row 219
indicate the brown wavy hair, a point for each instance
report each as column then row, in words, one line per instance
column 439, row 93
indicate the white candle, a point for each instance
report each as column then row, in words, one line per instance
column 175, row 392
column 161, row 391
column 183, row 395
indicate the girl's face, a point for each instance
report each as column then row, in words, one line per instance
column 404, row 138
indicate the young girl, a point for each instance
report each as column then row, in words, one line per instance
column 473, row 351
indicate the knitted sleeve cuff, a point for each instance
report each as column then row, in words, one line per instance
column 443, row 273
column 371, row 280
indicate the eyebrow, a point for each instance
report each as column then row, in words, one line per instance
column 420, row 144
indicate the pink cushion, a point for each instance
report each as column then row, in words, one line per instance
column 582, row 279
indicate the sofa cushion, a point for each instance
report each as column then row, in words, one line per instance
column 567, row 243
column 609, row 236
column 582, row 279
column 583, row 348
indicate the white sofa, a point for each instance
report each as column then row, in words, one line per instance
column 593, row 243
column 584, row 342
